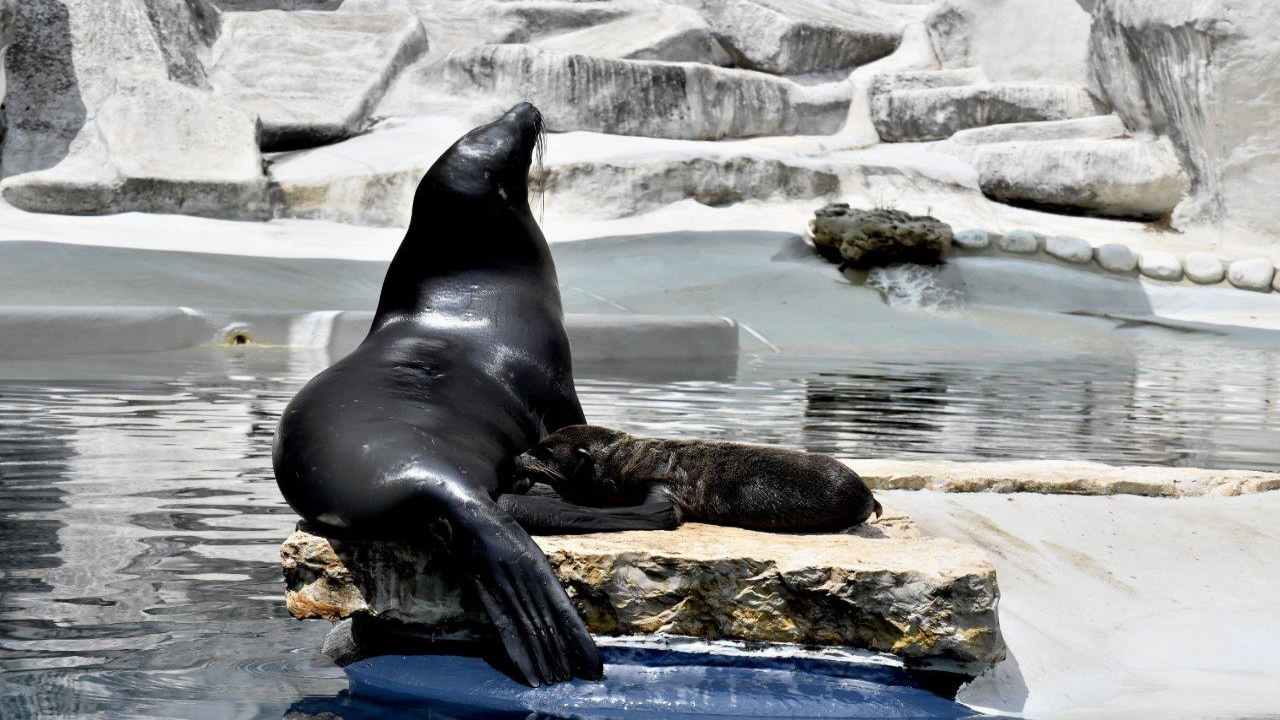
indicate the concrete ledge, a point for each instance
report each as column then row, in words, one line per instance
column 885, row 588
column 1059, row 478
column 39, row 332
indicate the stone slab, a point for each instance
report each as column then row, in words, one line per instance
column 885, row 588
column 626, row 97
column 1114, row 178
column 312, row 77
column 1059, row 478
column 910, row 115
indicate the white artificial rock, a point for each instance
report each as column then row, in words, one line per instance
column 972, row 239
column 1203, row 74
column 1022, row 242
column 1101, row 127
column 785, row 37
column 1160, row 265
column 108, row 110
column 1119, row 178
column 633, row 97
column 312, row 77
column 1204, row 268
column 1252, row 274
column 1069, row 249
column 912, row 113
column 1117, row 258
column 661, row 32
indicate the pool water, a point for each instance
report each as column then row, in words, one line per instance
column 139, row 519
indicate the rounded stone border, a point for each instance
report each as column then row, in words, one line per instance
column 1256, row 274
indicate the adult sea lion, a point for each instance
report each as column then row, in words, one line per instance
column 466, row 365
column 609, row 480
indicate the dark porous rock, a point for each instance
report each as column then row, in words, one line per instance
column 865, row 239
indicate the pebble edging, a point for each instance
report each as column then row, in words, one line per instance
column 1202, row 268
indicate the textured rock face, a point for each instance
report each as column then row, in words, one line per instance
column 790, row 38
column 667, row 100
column 1114, row 178
column 909, row 114
column 312, row 77
column 864, row 239
column 661, row 32
column 885, row 589
column 1204, row 75
column 107, row 112
column 1041, row 40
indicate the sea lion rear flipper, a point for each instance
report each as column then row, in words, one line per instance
column 539, row 629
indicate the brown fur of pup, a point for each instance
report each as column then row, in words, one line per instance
column 749, row 486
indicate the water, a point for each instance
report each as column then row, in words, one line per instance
column 139, row 520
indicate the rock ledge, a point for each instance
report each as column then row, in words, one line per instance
column 928, row 600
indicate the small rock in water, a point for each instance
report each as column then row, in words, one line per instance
column 1114, row 257
column 1204, row 268
column 1023, row 242
column 1070, row 249
column 1252, row 274
column 865, row 239
column 1160, row 265
column 972, row 239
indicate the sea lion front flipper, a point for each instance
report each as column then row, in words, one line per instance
column 542, row 515
column 539, row 628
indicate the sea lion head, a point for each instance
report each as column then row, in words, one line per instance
column 568, row 460
column 471, row 213
column 489, row 165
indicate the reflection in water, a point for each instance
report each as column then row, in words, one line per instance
column 140, row 523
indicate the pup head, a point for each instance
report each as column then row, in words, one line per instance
column 567, row 460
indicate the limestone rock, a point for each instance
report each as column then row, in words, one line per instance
column 1101, row 127
column 1202, row 74
column 885, row 588
column 917, row 114
column 1252, row 274
column 972, row 239
column 1069, row 249
column 1114, row 178
column 1275, row 282
column 312, row 77
column 106, row 112
column 864, row 239
column 1160, row 265
column 1013, row 40
column 784, row 37
column 1116, row 258
column 634, row 97
column 662, row 32
column 1022, row 242
column 1204, row 268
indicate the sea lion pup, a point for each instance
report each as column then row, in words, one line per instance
column 466, row 365
column 610, row 480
